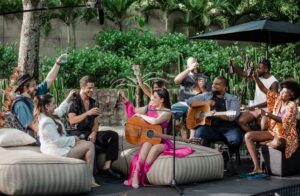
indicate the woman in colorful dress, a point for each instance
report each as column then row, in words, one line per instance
column 281, row 126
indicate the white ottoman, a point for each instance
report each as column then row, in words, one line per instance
column 25, row 172
column 202, row 165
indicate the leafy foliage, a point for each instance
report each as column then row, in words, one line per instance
column 8, row 60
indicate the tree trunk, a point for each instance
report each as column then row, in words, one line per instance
column 30, row 38
column 187, row 23
column 74, row 33
column 166, row 19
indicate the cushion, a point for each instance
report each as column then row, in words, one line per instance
column 202, row 165
column 24, row 172
column 14, row 137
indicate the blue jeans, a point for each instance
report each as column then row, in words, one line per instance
column 182, row 109
column 232, row 136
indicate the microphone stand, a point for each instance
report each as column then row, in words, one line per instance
column 173, row 182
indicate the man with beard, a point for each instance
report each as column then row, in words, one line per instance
column 188, row 80
column 27, row 88
column 269, row 81
column 84, row 115
column 222, row 128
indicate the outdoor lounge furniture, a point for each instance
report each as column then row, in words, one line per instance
column 26, row 171
column 274, row 162
column 202, row 165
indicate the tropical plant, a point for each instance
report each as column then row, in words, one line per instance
column 166, row 7
column 116, row 10
column 204, row 13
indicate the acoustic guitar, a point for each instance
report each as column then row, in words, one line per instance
column 137, row 131
column 201, row 116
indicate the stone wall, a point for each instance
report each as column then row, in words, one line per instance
column 115, row 116
column 109, row 114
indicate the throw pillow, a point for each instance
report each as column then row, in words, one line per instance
column 14, row 137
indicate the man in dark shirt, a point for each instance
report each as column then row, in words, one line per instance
column 223, row 127
column 188, row 80
column 84, row 114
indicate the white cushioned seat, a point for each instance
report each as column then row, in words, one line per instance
column 25, row 172
column 202, row 165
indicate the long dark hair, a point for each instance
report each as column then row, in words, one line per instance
column 159, row 83
column 164, row 94
column 40, row 103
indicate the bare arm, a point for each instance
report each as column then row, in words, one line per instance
column 178, row 79
column 163, row 117
column 272, row 116
column 75, row 119
column 260, row 85
column 239, row 71
column 145, row 89
column 52, row 74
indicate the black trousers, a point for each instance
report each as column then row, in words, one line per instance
column 109, row 140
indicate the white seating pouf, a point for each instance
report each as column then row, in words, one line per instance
column 25, row 172
column 202, row 165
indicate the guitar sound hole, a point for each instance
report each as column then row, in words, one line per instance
column 150, row 133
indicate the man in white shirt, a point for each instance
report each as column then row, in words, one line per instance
column 253, row 112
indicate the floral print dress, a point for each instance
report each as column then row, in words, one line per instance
column 286, row 129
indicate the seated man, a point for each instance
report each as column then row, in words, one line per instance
column 83, row 113
column 27, row 88
column 223, row 127
column 270, row 82
column 188, row 80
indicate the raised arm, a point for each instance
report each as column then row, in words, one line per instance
column 145, row 89
column 260, row 85
column 238, row 70
column 51, row 76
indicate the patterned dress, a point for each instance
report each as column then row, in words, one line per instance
column 286, row 129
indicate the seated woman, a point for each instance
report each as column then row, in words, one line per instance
column 158, row 113
column 52, row 133
column 281, row 129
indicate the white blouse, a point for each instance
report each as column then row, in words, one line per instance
column 51, row 141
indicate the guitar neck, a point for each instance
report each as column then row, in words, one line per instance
column 164, row 136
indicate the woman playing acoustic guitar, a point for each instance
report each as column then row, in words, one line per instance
column 158, row 113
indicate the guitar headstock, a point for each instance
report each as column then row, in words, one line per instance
column 230, row 113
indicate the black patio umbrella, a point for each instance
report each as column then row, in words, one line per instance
column 264, row 31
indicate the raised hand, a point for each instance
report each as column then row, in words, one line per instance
column 71, row 94
column 121, row 96
column 62, row 59
column 194, row 65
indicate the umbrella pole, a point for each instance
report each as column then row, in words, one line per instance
column 267, row 50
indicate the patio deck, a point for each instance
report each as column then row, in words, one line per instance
column 232, row 186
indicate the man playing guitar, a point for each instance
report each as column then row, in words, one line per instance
column 223, row 127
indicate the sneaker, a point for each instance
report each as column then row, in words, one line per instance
column 110, row 174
